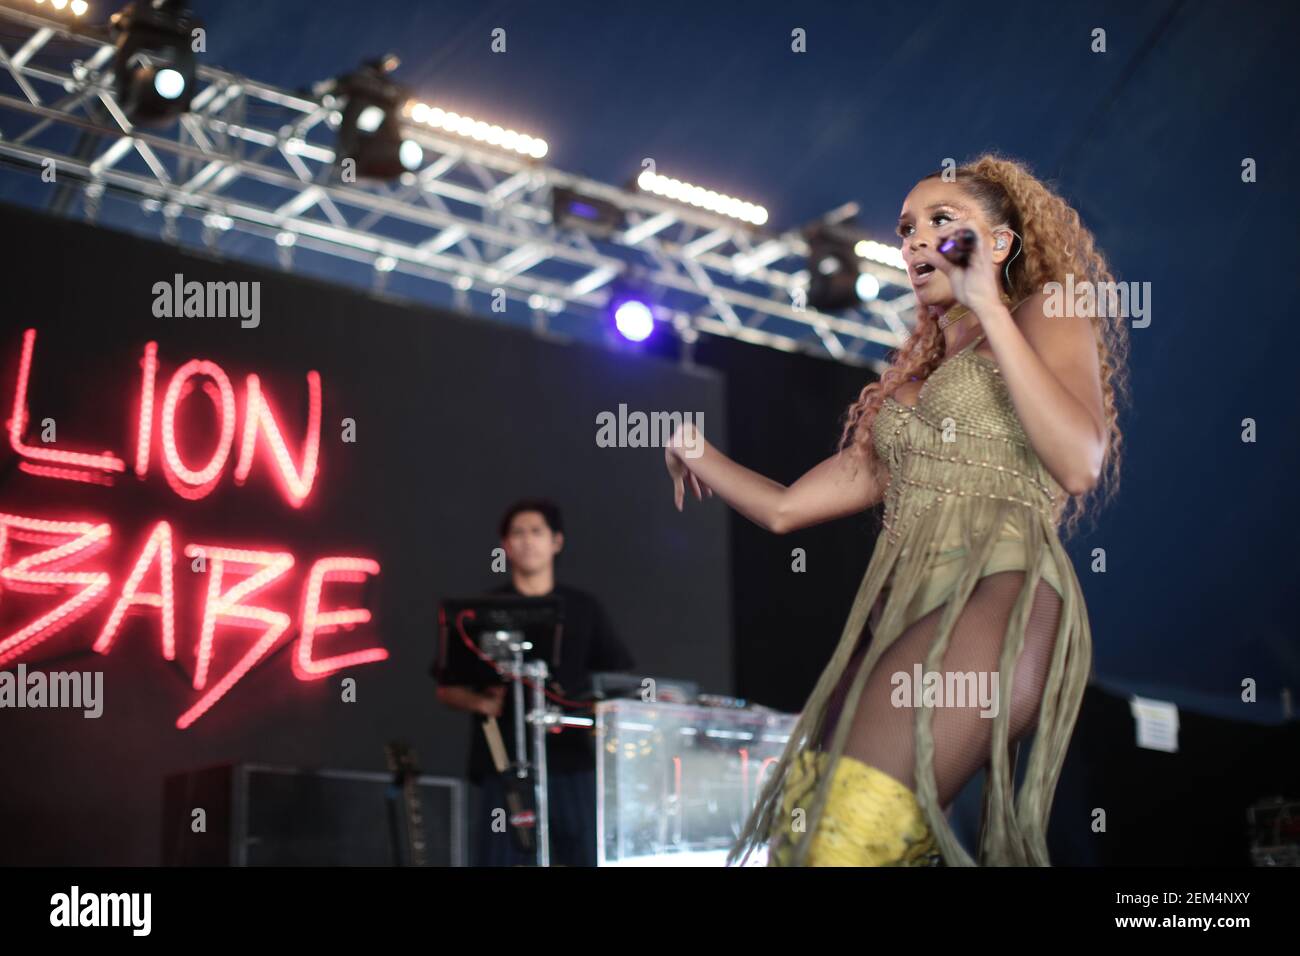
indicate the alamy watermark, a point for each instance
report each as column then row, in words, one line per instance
column 78, row 690
column 1089, row 300
column 650, row 430
column 209, row 300
column 959, row 689
column 77, row 909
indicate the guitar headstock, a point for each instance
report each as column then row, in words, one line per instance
column 401, row 760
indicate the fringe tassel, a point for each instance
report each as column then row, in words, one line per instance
column 923, row 518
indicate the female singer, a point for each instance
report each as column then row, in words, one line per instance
column 981, row 454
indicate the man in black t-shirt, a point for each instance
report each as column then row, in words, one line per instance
column 532, row 534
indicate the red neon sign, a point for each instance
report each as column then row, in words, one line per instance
column 226, row 608
column 157, row 550
column 37, row 573
column 144, row 425
column 61, row 545
column 18, row 424
column 315, row 621
column 296, row 482
column 185, row 481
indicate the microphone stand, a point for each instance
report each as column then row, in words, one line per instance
column 540, row 716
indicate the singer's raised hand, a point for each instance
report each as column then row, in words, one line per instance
column 976, row 283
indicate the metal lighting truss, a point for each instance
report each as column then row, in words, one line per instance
column 256, row 160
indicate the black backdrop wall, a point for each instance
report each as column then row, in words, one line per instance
column 783, row 411
column 454, row 418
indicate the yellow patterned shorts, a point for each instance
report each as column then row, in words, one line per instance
column 870, row 819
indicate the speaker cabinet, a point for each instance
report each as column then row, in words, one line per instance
column 259, row 815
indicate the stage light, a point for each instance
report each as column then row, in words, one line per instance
column 370, row 129
column 679, row 191
column 833, row 273
column 867, row 287
column 410, row 154
column 79, row 7
column 169, row 84
column 634, row 320
column 448, row 121
column 571, row 210
column 631, row 302
column 370, row 119
column 879, row 252
column 154, row 65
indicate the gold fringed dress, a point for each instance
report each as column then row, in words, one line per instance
column 967, row 497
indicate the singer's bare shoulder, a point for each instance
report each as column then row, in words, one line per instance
column 1067, row 345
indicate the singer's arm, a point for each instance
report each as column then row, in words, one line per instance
column 1052, row 372
column 841, row 485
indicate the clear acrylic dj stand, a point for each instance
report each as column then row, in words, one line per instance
column 675, row 782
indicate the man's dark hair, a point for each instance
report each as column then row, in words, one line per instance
column 549, row 511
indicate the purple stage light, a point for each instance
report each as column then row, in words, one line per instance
column 634, row 320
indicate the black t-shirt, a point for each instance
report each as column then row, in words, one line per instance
column 590, row 645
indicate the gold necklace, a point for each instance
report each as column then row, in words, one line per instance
column 959, row 312
column 955, row 314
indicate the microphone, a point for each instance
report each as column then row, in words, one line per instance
column 958, row 247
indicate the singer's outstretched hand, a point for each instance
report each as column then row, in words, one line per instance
column 975, row 284
column 678, row 471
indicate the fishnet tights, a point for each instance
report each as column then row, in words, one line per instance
column 883, row 734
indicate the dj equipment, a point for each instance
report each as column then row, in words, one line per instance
column 614, row 685
column 676, row 782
